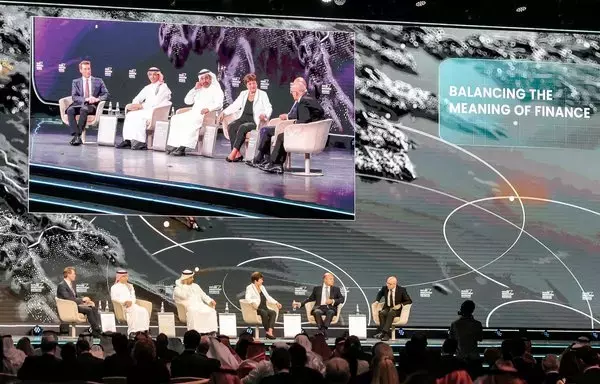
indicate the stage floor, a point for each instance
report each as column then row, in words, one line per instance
column 49, row 145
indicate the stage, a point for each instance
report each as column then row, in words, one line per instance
column 332, row 194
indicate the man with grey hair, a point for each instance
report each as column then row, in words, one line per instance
column 395, row 297
column 305, row 109
column 550, row 367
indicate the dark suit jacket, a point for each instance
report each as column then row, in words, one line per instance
column 191, row 364
column 335, row 293
column 401, row 296
column 307, row 110
column 44, row 368
column 97, row 88
column 64, row 292
column 551, row 378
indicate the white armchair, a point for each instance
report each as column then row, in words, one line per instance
column 67, row 313
column 92, row 120
column 181, row 312
column 309, row 139
column 251, row 317
column 311, row 318
column 399, row 321
column 120, row 309
column 159, row 113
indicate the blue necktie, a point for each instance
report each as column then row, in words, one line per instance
column 293, row 109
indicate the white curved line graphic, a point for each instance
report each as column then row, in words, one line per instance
column 165, row 236
column 53, row 227
column 282, row 245
column 487, row 320
column 505, row 220
column 516, row 194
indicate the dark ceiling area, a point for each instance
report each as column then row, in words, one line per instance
column 546, row 14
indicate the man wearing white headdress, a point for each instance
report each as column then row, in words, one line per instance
column 200, row 308
column 206, row 96
column 139, row 112
column 138, row 319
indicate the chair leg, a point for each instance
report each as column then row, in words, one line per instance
column 83, row 136
column 73, row 330
column 149, row 139
column 256, row 332
column 393, row 331
column 306, row 171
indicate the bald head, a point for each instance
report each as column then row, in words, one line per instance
column 328, row 279
column 298, row 90
column 300, row 80
column 391, row 282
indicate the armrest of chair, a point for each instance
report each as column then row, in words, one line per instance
column 405, row 313
column 67, row 310
column 160, row 113
column 307, row 138
column 63, row 104
column 375, row 308
column 99, row 112
column 281, row 127
column 248, row 312
column 228, row 119
column 147, row 305
column 119, row 310
column 309, row 307
column 127, row 107
column 274, row 308
column 182, row 110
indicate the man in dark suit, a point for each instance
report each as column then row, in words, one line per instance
column 395, row 297
column 192, row 363
column 305, row 109
column 327, row 297
column 91, row 368
column 86, row 91
column 66, row 290
column 45, row 367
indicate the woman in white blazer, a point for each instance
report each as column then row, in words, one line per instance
column 256, row 294
column 251, row 108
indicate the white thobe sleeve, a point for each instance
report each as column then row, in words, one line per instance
column 181, row 294
column 215, row 101
column 235, row 106
column 190, row 98
column 132, row 293
column 143, row 95
column 119, row 294
column 164, row 95
column 203, row 296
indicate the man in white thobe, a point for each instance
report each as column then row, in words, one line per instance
column 138, row 319
column 206, row 96
column 199, row 307
column 139, row 112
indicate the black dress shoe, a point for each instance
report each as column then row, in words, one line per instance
column 124, row 144
column 73, row 139
column 274, row 168
column 139, row 146
column 385, row 337
column 78, row 140
column 179, row 152
column 270, row 337
column 170, row 149
column 238, row 159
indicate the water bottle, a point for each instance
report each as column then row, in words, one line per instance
column 106, row 307
column 226, row 307
column 162, row 307
column 117, row 110
column 357, row 311
column 100, row 305
column 294, row 306
column 110, row 109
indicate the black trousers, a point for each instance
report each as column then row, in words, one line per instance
column 264, row 143
column 279, row 154
column 92, row 315
column 83, row 111
column 237, row 132
column 319, row 312
column 386, row 318
column 268, row 317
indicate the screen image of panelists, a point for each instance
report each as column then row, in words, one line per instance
column 263, row 114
